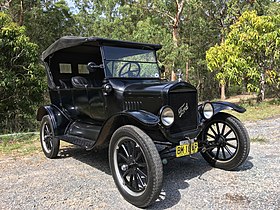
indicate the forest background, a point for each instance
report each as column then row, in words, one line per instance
column 223, row 47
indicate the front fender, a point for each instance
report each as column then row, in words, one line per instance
column 223, row 105
column 142, row 119
column 58, row 118
column 218, row 107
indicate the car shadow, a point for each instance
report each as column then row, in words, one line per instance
column 95, row 158
column 247, row 165
column 177, row 173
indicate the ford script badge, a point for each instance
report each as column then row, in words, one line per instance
column 182, row 109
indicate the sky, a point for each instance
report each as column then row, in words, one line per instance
column 71, row 4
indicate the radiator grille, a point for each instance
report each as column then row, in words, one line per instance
column 188, row 119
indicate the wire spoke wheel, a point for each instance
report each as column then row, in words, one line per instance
column 47, row 137
column 50, row 144
column 136, row 165
column 218, row 135
column 131, row 165
column 226, row 141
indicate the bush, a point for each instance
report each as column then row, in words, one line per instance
column 21, row 78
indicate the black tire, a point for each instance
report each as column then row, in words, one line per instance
column 135, row 165
column 49, row 143
column 227, row 142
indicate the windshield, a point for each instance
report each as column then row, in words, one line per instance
column 130, row 63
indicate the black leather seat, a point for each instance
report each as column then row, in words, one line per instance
column 65, row 83
column 79, row 82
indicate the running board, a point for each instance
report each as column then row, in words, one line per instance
column 82, row 142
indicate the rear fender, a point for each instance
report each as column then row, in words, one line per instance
column 142, row 119
column 58, row 118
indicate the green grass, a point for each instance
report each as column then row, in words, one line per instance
column 19, row 144
column 22, row 144
column 258, row 111
column 258, row 139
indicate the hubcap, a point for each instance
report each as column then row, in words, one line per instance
column 130, row 166
column 222, row 141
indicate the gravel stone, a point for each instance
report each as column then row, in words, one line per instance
column 81, row 179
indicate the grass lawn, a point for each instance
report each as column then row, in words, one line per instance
column 258, row 111
column 19, row 144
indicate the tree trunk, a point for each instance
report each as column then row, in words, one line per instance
column 223, row 91
column 20, row 22
column 175, row 36
column 175, row 32
column 187, row 71
column 5, row 5
column 223, row 84
column 262, row 88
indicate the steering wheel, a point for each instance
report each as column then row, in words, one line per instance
column 130, row 69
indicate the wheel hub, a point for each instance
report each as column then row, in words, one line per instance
column 220, row 140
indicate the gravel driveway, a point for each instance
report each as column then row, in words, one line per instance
column 82, row 180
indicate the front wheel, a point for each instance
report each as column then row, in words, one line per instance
column 49, row 143
column 226, row 141
column 135, row 165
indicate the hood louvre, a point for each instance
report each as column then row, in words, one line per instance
column 132, row 105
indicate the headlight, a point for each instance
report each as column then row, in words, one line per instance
column 208, row 110
column 167, row 116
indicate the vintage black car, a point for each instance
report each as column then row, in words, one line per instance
column 110, row 93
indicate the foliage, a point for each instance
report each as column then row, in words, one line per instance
column 48, row 22
column 251, row 49
column 45, row 21
column 21, row 83
column 185, row 28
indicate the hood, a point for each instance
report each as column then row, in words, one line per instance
column 157, row 88
column 145, row 89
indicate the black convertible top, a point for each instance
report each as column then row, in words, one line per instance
column 72, row 41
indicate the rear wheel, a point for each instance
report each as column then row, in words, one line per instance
column 227, row 142
column 136, row 165
column 49, row 143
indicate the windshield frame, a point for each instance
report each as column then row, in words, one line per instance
column 105, row 60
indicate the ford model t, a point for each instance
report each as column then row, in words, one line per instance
column 109, row 92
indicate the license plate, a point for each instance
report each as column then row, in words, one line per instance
column 186, row 149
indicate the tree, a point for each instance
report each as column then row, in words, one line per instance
column 251, row 53
column 158, row 21
column 48, row 22
column 21, row 77
column 227, row 63
column 222, row 14
column 45, row 21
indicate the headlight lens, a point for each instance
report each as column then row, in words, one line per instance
column 167, row 116
column 208, row 110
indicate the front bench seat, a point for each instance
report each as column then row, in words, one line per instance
column 79, row 82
